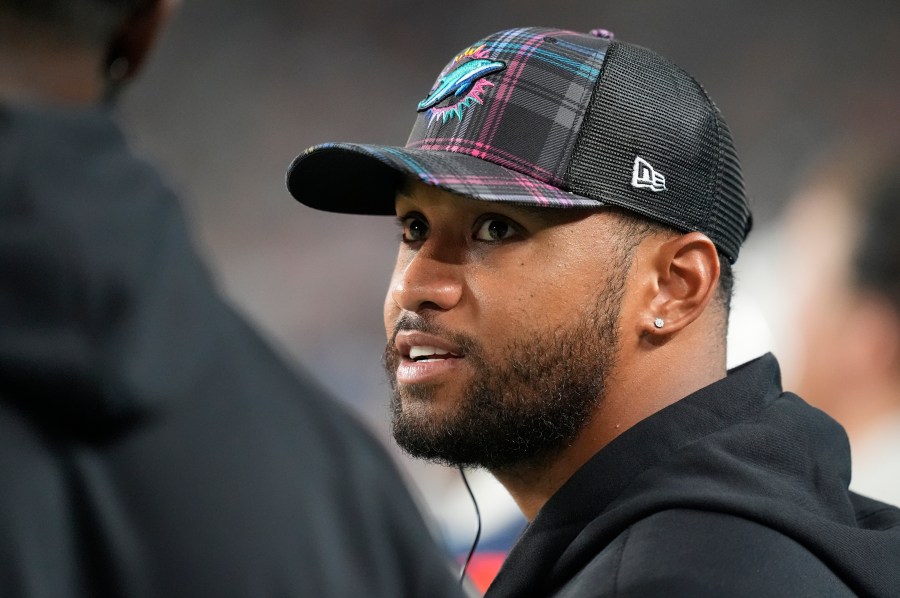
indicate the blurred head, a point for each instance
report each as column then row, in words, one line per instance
column 75, row 51
column 845, row 274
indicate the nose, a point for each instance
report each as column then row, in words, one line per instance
column 426, row 280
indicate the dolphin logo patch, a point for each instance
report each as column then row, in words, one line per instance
column 466, row 78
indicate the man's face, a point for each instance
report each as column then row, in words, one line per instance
column 502, row 327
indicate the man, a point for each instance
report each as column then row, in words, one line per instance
column 843, row 275
column 150, row 443
column 570, row 206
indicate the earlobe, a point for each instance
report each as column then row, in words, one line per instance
column 687, row 271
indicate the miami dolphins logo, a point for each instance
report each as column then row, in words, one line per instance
column 466, row 82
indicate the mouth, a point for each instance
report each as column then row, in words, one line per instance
column 425, row 357
column 422, row 353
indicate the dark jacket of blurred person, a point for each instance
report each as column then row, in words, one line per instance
column 150, row 443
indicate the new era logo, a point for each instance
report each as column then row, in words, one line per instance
column 645, row 177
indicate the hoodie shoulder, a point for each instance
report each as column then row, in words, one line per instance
column 685, row 552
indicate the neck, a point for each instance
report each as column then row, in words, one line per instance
column 37, row 68
column 635, row 390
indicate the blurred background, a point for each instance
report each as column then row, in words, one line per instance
column 238, row 89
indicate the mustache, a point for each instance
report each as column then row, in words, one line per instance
column 410, row 321
column 413, row 322
column 418, row 323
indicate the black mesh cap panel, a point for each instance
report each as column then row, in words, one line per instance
column 645, row 107
column 733, row 217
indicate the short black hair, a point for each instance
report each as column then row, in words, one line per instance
column 876, row 259
column 86, row 21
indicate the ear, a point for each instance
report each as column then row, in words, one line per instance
column 129, row 48
column 686, row 274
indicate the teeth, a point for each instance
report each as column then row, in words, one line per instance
column 416, row 352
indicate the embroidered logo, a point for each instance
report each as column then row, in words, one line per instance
column 645, row 177
column 465, row 82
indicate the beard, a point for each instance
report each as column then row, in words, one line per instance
column 521, row 411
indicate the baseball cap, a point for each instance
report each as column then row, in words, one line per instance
column 547, row 117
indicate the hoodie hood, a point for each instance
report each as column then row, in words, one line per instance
column 74, row 337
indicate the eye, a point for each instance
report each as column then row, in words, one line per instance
column 415, row 229
column 494, row 229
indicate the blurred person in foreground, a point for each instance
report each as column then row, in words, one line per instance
column 569, row 208
column 843, row 235
column 151, row 444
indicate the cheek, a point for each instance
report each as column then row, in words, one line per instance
column 506, row 295
column 390, row 315
column 536, row 295
column 391, row 309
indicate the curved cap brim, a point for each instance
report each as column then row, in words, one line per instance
column 364, row 179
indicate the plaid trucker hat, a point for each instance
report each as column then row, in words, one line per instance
column 547, row 117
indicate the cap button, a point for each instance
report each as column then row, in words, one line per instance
column 604, row 33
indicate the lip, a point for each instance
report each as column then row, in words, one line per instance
column 407, row 339
column 410, row 371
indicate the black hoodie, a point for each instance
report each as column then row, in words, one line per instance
column 737, row 490
column 150, row 443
